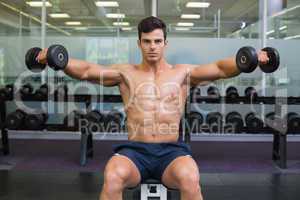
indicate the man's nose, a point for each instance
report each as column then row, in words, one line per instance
column 152, row 45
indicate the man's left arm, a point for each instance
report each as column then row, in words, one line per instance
column 221, row 69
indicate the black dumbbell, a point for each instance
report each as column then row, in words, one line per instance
column 6, row 92
column 253, row 123
column 195, row 93
column 232, row 92
column 194, row 122
column 275, row 122
column 36, row 121
column 73, row 119
column 124, row 126
column 293, row 122
column 234, row 122
column 215, row 121
column 26, row 90
column 113, row 120
column 61, row 92
column 57, row 58
column 247, row 60
column 96, row 120
column 250, row 92
column 213, row 91
column 15, row 120
column 42, row 92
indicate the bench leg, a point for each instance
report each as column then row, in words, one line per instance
column 153, row 190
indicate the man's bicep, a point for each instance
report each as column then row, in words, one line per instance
column 204, row 73
column 104, row 75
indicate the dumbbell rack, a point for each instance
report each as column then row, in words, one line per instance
column 86, row 142
column 279, row 151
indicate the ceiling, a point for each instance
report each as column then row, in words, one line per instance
column 232, row 13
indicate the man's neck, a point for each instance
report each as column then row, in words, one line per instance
column 155, row 66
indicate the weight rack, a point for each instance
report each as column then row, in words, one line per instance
column 279, row 151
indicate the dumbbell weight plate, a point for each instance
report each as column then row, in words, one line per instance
column 274, row 60
column 31, row 62
column 246, row 59
column 57, row 57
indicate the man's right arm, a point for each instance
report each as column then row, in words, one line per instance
column 82, row 70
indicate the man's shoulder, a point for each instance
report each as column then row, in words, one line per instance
column 185, row 67
column 122, row 66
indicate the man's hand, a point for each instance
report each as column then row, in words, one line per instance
column 42, row 57
column 263, row 57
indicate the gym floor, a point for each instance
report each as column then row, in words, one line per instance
column 49, row 169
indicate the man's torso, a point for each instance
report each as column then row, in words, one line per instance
column 154, row 102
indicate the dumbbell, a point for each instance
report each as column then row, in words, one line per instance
column 253, row 123
column 15, row 120
column 232, row 92
column 194, row 122
column 42, row 92
column 113, row 120
column 95, row 119
column 73, row 118
column 26, row 90
column 275, row 122
column 215, row 121
column 293, row 121
column 57, row 58
column 124, row 126
column 7, row 92
column 234, row 120
column 250, row 92
column 195, row 93
column 247, row 60
column 36, row 121
column 61, row 91
column 213, row 91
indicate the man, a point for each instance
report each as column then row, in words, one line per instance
column 154, row 94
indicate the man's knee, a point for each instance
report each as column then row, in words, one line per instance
column 114, row 180
column 189, row 182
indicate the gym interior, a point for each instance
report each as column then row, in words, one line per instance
column 244, row 132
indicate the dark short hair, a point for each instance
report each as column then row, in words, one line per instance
column 149, row 24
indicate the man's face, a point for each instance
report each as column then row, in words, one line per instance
column 152, row 45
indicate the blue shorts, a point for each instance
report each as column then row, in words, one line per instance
column 152, row 158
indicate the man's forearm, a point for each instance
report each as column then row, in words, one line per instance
column 228, row 67
column 76, row 68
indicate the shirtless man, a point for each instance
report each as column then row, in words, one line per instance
column 154, row 94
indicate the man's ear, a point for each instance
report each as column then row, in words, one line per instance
column 166, row 43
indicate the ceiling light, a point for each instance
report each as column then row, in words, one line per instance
column 197, row 5
column 59, row 15
column 115, row 15
column 38, row 3
column 292, row 37
column 185, row 24
column 182, row 29
column 243, row 25
column 121, row 23
column 73, row 23
column 282, row 27
column 107, row 4
column 126, row 28
column 190, row 16
column 270, row 32
column 80, row 28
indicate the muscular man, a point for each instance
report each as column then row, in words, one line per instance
column 154, row 94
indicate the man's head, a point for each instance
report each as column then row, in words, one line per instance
column 152, row 38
